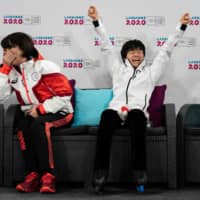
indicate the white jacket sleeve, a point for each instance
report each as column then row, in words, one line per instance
column 5, row 88
column 164, row 54
column 58, row 85
column 105, row 41
column 57, row 103
column 111, row 59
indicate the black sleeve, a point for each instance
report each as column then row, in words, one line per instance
column 183, row 27
column 95, row 23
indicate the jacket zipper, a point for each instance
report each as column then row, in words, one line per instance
column 132, row 77
column 145, row 102
column 26, row 86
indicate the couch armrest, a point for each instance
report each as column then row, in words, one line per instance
column 188, row 115
column 170, row 124
column 1, row 141
column 8, row 144
column 170, row 119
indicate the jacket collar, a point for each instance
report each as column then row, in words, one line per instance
column 139, row 68
column 26, row 65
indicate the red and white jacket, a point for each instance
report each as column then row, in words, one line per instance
column 40, row 83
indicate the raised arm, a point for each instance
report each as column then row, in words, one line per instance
column 110, row 57
column 164, row 54
column 99, row 28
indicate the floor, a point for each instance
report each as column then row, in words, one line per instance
column 111, row 193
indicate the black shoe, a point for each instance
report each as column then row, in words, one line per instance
column 140, row 179
column 100, row 178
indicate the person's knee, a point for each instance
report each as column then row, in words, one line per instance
column 109, row 120
column 36, row 124
column 137, row 115
column 108, row 114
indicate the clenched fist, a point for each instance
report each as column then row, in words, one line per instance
column 185, row 19
column 92, row 13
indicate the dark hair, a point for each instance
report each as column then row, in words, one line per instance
column 131, row 45
column 23, row 41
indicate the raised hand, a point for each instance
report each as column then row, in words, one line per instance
column 93, row 13
column 185, row 19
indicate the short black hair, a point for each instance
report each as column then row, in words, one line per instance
column 131, row 45
column 23, row 41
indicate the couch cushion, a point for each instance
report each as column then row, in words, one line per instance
column 80, row 130
column 90, row 103
column 155, row 108
column 157, row 131
column 63, row 131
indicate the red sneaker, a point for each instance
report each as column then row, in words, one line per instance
column 31, row 183
column 48, row 182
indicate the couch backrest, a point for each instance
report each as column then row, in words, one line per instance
column 192, row 118
column 97, row 100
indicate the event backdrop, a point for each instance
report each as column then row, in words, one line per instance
column 63, row 33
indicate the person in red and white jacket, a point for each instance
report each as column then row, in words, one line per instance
column 133, row 82
column 44, row 94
